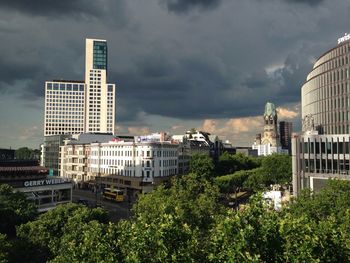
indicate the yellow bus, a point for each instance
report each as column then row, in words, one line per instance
column 113, row 194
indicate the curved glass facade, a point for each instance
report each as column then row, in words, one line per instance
column 326, row 93
column 325, row 100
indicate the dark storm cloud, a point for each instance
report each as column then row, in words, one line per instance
column 181, row 88
column 190, row 88
column 257, row 80
column 54, row 7
column 196, row 88
column 283, row 84
column 203, row 70
column 310, row 2
column 294, row 74
column 24, row 68
column 10, row 72
column 183, row 6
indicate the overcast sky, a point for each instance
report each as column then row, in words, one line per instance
column 177, row 64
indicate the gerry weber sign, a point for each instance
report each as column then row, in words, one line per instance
column 344, row 38
column 44, row 182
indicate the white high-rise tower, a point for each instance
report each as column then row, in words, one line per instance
column 73, row 107
column 100, row 96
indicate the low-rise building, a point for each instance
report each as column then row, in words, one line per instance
column 28, row 177
column 133, row 166
column 74, row 156
column 50, row 152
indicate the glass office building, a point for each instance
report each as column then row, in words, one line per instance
column 322, row 151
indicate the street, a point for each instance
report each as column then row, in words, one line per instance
column 115, row 210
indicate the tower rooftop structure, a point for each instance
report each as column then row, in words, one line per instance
column 270, row 109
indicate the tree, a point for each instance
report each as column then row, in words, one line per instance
column 4, row 248
column 277, row 168
column 171, row 224
column 15, row 209
column 202, row 165
column 229, row 163
column 256, row 180
column 90, row 242
column 316, row 226
column 22, row 250
column 229, row 183
column 47, row 232
column 249, row 235
column 195, row 199
column 24, row 153
column 331, row 200
column 308, row 240
column 186, row 223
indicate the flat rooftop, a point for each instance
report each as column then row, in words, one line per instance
column 67, row 81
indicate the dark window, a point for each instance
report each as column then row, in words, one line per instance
column 335, row 149
column 323, row 147
column 329, row 147
column 100, row 55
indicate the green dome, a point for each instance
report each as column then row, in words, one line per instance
column 270, row 109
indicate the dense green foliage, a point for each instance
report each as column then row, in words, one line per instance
column 202, row 165
column 169, row 225
column 277, row 168
column 272, row 169
column 162, row 231
column 15, row 209
column 186, row 223
column 230, row 182
column 4, row 248
column 231, row 163
column 25, row 153
column 51, row 231
column 317, row 226
column 91, row 242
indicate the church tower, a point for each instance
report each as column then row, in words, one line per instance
column 270, row 126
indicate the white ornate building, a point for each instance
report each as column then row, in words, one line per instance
column 135, row 164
